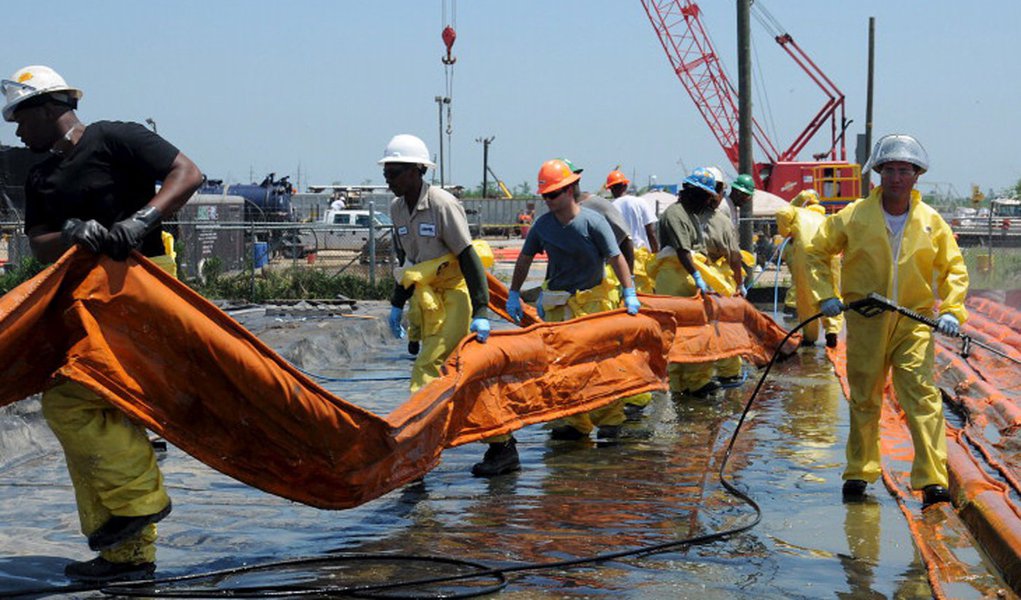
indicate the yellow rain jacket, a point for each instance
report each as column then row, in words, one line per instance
column 928, row 256
column 800, row 224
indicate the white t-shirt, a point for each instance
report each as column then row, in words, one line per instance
column 895, row 232
column 637, row 215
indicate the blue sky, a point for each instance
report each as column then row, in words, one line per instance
column 245, row 87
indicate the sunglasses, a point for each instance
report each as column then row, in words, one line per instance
column 554, row 195
column 391, row 172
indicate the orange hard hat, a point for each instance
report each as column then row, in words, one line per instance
column 555, row 174
column 614, row 178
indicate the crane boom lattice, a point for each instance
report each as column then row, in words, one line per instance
column 696, row 64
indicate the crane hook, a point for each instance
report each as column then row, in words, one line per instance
column 449, row 35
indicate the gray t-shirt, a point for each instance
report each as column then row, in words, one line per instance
column 576, row 251
column 601, row 205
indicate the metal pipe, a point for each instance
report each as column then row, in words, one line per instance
column 744, row 87
column 866, row 177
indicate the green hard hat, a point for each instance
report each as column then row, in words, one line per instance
column 744, row 183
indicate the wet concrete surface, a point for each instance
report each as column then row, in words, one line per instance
column 571, row 499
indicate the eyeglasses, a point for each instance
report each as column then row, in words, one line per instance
column 554, row 194
column 890, row 171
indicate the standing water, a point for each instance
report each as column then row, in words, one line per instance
column 571, row 499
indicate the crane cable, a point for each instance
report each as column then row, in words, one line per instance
column 449, row 35
column 772, row 27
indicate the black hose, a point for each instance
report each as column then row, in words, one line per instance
column 150, row 588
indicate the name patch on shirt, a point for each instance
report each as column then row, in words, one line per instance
column 427, row 229
column 402, row 230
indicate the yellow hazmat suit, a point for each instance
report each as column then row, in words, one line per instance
column 928, row 256
column 801, row 225
column 110, row 460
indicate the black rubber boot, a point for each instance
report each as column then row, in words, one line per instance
column 934, row 494
column 608, row 432
column 100, row 570
column 633, row 412
column 707, row 389
column 500, row 458
column 854, row 489
column 566, row 433
column 119, row 529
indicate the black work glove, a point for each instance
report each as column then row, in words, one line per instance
column 128, row 234
column 89, row 234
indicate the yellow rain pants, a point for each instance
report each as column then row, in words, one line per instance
column 110, row 460
column 801, row 225
column 439, row 313
column 928, row 257
column 908, row 351
column 644, row 283
column 563, row 306
column 611, row 286
column 672, row 279
column 728, row 367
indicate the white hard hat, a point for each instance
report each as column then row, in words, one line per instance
column 718, row 175
column 898, row 147
column 405, row 148
column 33, row 81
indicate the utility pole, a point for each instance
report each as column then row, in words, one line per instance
column 440, row 101
column 485, row 163
column 744, row 108
column 866, row 177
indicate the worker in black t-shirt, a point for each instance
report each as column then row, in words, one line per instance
column 98, row 190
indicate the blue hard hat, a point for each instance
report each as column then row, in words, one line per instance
column 702, row 178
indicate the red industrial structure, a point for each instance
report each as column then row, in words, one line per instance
column 694, row 60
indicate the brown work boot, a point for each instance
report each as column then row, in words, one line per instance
column 100, row 570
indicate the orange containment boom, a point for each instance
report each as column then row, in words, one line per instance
column 982, row 457
column 217, row 392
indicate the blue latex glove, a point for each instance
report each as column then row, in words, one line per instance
column 539, row 308
column 631, row 301
column 948, row 325
column 480, row 327
column 742, row 291
column 396, row 314
column 831, row 307
column 702, row 285
column 514, row 306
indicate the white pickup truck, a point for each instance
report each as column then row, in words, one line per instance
column 346, row 229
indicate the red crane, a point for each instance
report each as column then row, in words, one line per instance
column 696, row 64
